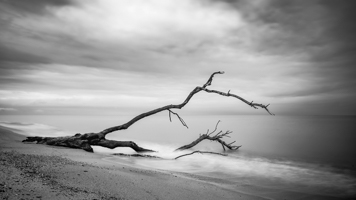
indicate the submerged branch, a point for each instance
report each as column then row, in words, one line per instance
column 209, row 152
column 217, row 137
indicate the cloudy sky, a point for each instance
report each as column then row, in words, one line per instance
column 130, row 56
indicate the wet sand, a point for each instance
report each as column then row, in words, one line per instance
column 33, row 171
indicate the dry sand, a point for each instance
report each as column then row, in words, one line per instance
column 33, row 171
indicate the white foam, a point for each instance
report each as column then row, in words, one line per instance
column 296, row 176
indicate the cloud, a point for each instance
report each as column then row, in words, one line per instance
column 156, row 51
column 124, row 34
column 8, row 54
column 35, row 6
column 317, row 34
column 8, row 109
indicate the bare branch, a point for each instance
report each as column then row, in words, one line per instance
column 217, row 134
column 208, row 83
column 170, row 119
column 180, row 119
column 136, row 155
column 254, row 105
column 179, row 106
column 216, row 126
column 209, row 152
column 217, row 137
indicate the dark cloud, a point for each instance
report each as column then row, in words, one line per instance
column 342, row 16
column 284, row 27
column 35, row 6
column 19, row 75
column 336, row 60
column 313, row 90
column 18, row 83
column 321, row 32
column 8, row 54
column 14, row 63
column 298, row 26
column 92, row 57
column 339, row 33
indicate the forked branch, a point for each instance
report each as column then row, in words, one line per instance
column 180, row 119
column 179, row 106
column 210, row 136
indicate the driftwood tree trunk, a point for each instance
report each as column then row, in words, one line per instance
column 85, row 141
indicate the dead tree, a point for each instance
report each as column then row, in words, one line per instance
column 85, row 141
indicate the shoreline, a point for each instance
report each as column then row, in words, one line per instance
column 32, row 171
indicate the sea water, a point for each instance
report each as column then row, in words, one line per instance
column 299, row 157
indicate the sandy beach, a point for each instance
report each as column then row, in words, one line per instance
column 32, row 171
